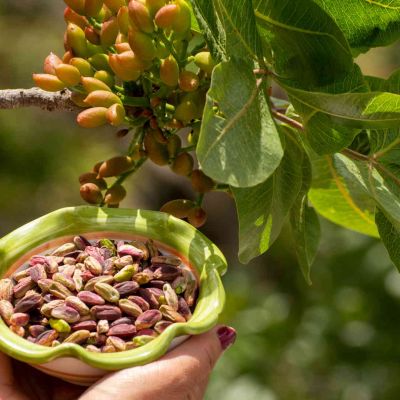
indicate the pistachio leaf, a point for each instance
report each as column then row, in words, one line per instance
column 239, row 143
column 262, row 209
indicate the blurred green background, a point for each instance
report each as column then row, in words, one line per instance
column 335, row 340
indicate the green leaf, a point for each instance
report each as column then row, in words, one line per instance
column 262, row 209
column 308, row 47
column 376, row 180
column 366, row 23
column 239, row 143
column 239, row 23
column 324, row 135
column 334, row 200
column 390, row 235
column 373, row 110
column 305, row 225
column 211, row 27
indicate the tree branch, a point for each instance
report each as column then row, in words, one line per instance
column 35, row 97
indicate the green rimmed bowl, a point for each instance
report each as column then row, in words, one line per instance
column 72, row 362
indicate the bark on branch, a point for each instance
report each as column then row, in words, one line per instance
column 35, row 97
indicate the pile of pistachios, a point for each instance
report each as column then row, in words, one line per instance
column 104, row 295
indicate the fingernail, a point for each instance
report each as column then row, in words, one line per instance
column 227, row 336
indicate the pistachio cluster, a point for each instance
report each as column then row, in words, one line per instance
column 136, row 63
column 107, row 295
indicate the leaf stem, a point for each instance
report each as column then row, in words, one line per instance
column 392, row 145
column 287, row 120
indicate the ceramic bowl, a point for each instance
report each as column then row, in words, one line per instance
column 72, row 362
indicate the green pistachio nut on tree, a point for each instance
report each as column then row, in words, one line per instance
column 109, row 32
column 156, row 151
column 142, row 45
column 76, row 40
column 174, row 145
column 83, row 66
column 169, row 71
column 178, row 208
column 69, row 74
column 115, row 195
column 126, row 66
column 102, row 98
column 140, row 16
column 48, row 82
column 105, row 77
column 92, row 36
column 166, row 16
column 154, row 5
column 91, row 193
column 205, row 61
column 93, row 7
column 91, row 84
column 116, row 114
column 115, row 5
column 183, row 164
column 91, row 177
column 77, row 5
column 92, row 117
column 197, row 217
column 201, row 183
column 70, row 16
column 123, row 20
column 115, row 166
column 188, row 81
column 50, row 63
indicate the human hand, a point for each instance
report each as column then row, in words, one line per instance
column 181, row 374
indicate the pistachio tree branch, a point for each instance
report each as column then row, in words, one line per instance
column 35, row 97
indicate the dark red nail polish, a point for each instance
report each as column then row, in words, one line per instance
column 227, row 336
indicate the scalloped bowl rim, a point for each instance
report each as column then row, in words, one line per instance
column 201, row 253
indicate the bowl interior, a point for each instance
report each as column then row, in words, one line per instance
column 170, row 234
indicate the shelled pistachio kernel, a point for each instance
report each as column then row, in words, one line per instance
column 104, row 295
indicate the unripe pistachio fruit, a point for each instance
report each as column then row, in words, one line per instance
column 204, row 61
column 93, row 7
column 116, row 114
column 166, row 16
column 183, row 164
column 201, row 182
column 140, row 16
column 69, row 74
column 83, row 66
column 92, row 35
column 76, row 5
column 71, row 16
column 102, row 98
column 188, row 81
column 115, row 5
column 197, row 217
column 78, row 99
column 93, row 117
column 115, row 195
column 91, row 193
column 142, row 45
column 91, row 177
column 126, row 65
column 48, row 82
column 169, row 71
column 50, row 63
column 178, row 208
column 100, row 61
column 123, row 20
column 156, row 151
column 174, row 145
column 109, row 32
column 92, row 84
column 154, row 5
column 115, row 166
column 105, row 77
column 76, row 40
